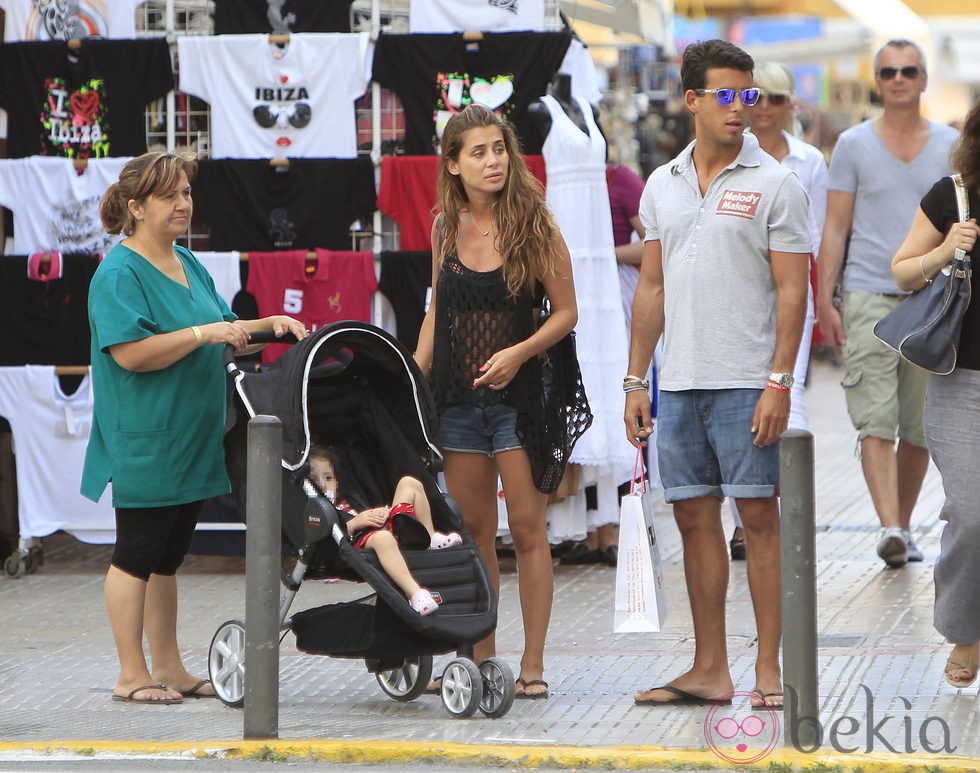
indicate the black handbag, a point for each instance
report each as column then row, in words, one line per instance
column 925, row 327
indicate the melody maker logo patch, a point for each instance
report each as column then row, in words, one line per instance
column 739, row 203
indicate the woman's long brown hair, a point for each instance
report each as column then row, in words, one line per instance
column 966, row 154
column 525, row 228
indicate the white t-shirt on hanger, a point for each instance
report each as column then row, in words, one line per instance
column 477, row 15
column 51, row 431
column 269, row 101
column 225, row 270
column 28, row 20
column 55, row 208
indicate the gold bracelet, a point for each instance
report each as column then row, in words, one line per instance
column 197, row 334
column 922, row 269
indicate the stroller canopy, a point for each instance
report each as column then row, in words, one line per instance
column 337, row 365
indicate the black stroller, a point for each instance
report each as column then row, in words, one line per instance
column 351, row 385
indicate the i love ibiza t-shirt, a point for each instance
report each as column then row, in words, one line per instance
column 437, row 75
column 81, row 104
column 293, row 100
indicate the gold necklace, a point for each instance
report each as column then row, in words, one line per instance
column 477, row 224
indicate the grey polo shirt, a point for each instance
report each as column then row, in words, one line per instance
column 719, row 294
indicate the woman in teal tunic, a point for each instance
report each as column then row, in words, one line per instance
column 158, row 332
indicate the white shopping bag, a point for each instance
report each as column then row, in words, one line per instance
column 641, row 602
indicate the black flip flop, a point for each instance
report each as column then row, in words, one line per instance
column 684, row 698
column 525, row 683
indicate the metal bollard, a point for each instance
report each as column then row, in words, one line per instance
column 799, row 589
column 263, row 508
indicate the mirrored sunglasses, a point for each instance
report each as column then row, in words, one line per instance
column 726, row 96
column 910, row 73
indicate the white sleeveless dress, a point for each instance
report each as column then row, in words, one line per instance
column 575, row 164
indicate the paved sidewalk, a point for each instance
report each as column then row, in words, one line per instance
column 880, row 660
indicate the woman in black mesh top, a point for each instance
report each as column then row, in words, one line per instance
column 496, row 252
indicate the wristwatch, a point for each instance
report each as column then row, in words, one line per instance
column 784, row 380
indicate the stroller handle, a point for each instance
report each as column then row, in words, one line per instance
column 260, row 337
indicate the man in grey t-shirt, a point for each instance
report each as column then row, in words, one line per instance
column 879, row 172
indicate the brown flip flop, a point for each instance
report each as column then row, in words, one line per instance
column 150, row 701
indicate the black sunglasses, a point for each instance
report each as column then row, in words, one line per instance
column 726, row 96
column 910, row 73
column 775, row 98
column 299, row 115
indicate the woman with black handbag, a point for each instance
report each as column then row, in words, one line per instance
column 952, row 408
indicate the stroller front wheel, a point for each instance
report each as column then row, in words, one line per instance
column 499, row 688
column 226, row 663
column 462, row 688
column 409, row 680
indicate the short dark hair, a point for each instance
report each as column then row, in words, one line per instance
column 701, row 56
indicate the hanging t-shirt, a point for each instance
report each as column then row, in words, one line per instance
column 45, row 321
column 225, row 270
column 479, row 15
column 405, row 281
column 267, row 100
column 340, row 288
column 251, row 205
column 51, row 431
column 28, row 20
column 437, row 75
column 55, row 208
column 408, row 193
column 84, row 104
column 238, row 17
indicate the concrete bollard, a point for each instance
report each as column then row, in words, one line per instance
column 263, row 514
column 799, row 588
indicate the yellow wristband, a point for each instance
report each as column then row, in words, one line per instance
column 197, row 334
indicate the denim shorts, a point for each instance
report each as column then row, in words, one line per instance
column 705, row 446
column 474, row 428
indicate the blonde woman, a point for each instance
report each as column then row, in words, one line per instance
column 773, row 122
column 495, row 251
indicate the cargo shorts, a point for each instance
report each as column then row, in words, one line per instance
column 884, row 392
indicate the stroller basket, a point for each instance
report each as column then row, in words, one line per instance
column 375, row 626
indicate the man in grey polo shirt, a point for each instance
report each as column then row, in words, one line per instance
column 724, row 278
column 879, row 171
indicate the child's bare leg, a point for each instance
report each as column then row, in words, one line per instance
column 411, row 491
column 392, row 561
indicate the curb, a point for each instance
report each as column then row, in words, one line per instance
column 526, row 756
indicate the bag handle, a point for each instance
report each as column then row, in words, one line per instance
column 963, row 206
column 640, row 465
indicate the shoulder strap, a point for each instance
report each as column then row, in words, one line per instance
column 962, row 197
column 963, row 205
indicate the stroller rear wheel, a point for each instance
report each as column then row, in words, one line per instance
column 462, row 688
column 226, row 663
column 498, row 687
column 409, row 680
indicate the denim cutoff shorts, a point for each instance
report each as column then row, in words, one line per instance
column 705, row 446
column 478, row 426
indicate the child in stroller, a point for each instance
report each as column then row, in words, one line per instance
column 383, row 529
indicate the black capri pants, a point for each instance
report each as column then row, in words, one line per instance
column 154, row 540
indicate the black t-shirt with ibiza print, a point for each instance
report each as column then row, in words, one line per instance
column 82, row 104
